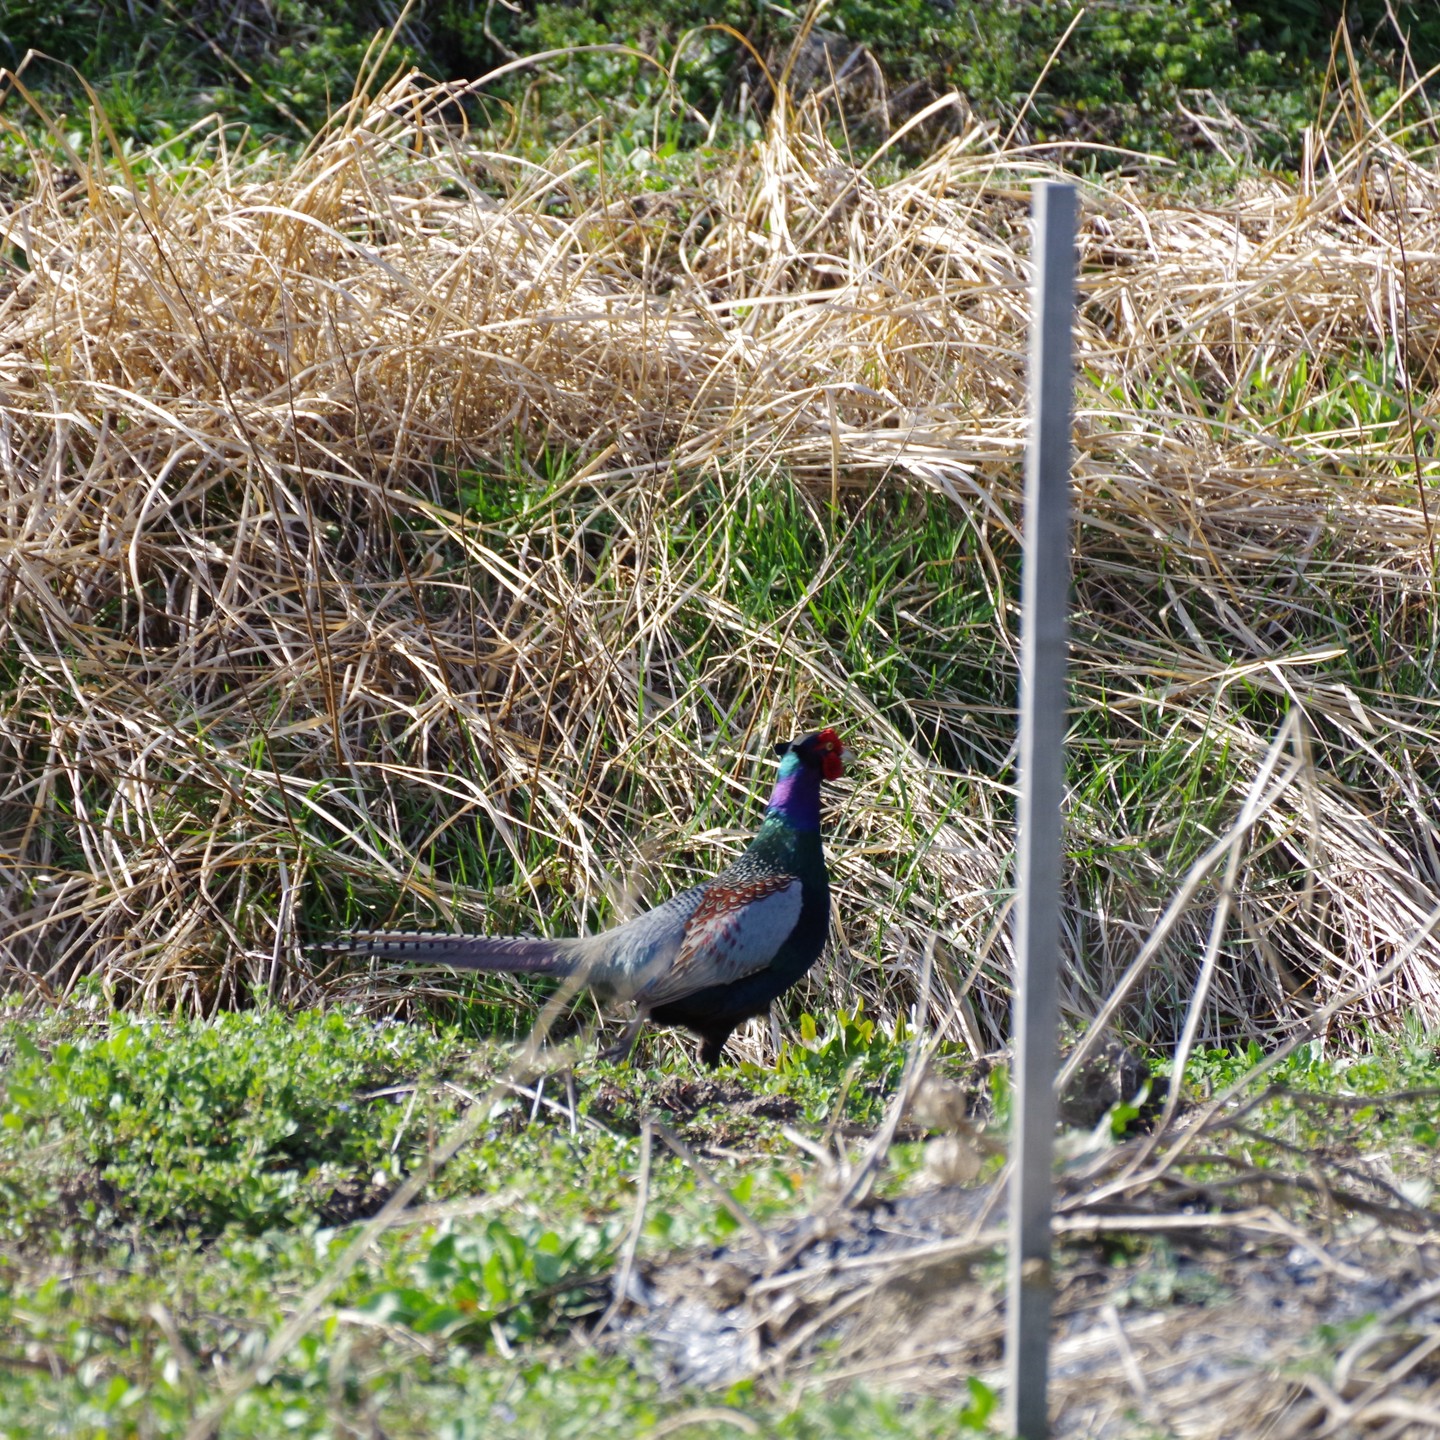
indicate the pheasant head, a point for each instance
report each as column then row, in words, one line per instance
column 804, row 763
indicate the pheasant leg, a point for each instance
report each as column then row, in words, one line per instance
column 619, row 1052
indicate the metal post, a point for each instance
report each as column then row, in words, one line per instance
column 1045, row 588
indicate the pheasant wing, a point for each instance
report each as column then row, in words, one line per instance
column 735, row 930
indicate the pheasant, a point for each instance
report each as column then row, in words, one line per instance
column 707, row 959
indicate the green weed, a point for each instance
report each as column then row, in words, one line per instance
column 470, row 1284
column 252, row 1119
column 447, row 1327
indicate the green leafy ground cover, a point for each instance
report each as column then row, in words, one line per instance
column 1130, row 75
column 169, row 1187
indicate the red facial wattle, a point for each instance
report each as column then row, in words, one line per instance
column 832, row 755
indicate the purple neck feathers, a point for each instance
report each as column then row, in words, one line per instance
column 796, row 797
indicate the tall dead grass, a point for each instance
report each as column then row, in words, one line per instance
column 262, row 668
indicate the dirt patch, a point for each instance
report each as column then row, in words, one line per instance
column 686, row 1098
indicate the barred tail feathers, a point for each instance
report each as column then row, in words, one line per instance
column 516, row 955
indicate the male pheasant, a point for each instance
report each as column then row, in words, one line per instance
column 707, row 959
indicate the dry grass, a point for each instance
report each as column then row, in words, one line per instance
column 266, row 673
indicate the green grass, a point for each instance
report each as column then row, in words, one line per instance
column 260, row 1119
column 169, row 1188
column 1316, row 1097
column 140, row 1265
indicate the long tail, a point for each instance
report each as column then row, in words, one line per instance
column 515, row 955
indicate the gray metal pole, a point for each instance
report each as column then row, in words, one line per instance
column 1045, row 586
